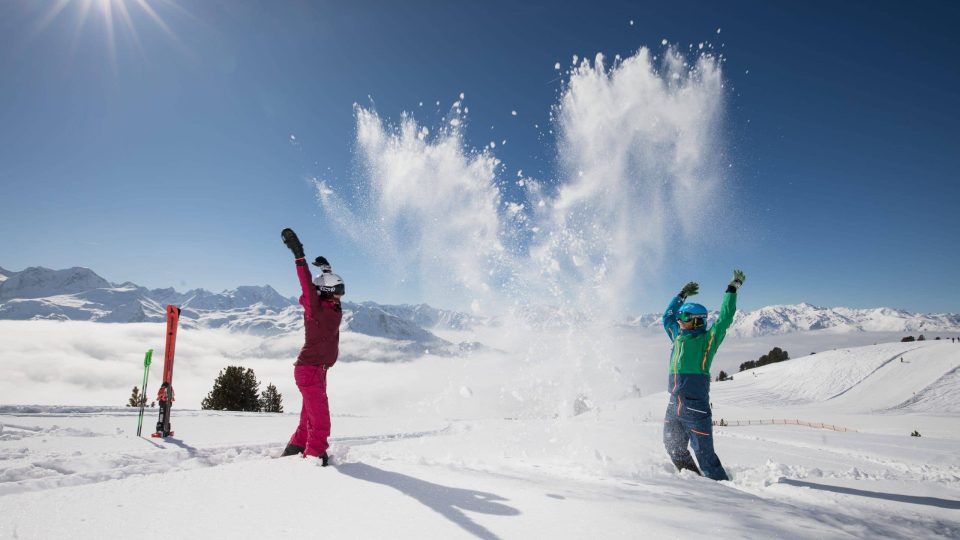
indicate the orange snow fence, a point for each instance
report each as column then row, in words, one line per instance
column 785, row 422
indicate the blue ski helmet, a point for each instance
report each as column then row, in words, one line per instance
column 690, row 311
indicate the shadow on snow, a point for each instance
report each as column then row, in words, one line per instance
column 928, row 501
column 450, row 502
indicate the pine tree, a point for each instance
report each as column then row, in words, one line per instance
column 235, row 389
column 271, row 400
column 722, row 376
column 135, row 398
column 775, row 355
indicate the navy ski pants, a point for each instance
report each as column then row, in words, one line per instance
column 690, row 421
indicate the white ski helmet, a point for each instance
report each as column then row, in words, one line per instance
column 330, row 283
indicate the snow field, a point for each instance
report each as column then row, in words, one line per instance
column 602, row 473
column 533, row 437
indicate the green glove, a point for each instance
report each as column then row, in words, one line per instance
column 738, row 278
column 689, row 289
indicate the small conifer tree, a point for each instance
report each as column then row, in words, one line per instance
column 271, row 400
column 135, row 398
column 235, row 389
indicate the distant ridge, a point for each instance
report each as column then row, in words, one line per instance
column 78, row 293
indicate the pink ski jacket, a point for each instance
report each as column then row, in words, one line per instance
column 321, row 323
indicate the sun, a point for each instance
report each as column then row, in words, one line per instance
column 113, row 15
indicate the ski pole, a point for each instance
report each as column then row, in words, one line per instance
column 143, row 394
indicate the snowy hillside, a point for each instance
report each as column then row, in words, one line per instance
column 883, row 379
column 440, row 448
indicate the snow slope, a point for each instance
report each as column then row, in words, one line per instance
column 863, row 379
column 468, row 448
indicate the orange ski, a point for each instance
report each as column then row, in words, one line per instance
column 165, row 394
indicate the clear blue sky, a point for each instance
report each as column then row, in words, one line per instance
column 166, row 159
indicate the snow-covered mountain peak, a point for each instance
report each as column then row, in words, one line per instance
column 40, row 282
column 244, row 296
column 80, row 294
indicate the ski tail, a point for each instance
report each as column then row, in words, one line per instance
column 143, row 393
column 165, row 394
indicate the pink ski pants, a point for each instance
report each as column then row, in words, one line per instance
column 314, row 426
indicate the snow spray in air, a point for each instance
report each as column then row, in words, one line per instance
column 638, row 156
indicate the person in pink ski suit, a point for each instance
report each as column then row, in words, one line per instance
column 321, row 325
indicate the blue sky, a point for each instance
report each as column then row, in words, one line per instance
column 166, row 159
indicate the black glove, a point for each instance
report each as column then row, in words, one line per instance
column 291, row 241
column 322, row 263
column 689, row 289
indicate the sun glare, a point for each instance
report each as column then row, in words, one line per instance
column 114, row 15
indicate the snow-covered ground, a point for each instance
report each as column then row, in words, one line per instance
column 530, row 438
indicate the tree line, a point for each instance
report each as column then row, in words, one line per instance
column 235, row 389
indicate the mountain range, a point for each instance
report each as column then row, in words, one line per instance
column 38, row 293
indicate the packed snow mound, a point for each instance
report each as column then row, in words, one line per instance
column 919, row 375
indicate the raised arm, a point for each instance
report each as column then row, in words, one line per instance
column 727, row 309
column 670, row 315
column 309, row 298
column 670, row 318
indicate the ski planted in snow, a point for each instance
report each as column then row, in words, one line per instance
column 143, row 392
column 165, row 394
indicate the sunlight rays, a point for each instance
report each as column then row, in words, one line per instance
column 114, row 15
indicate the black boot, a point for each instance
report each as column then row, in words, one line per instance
column 687, row 463
column 324, row 460
column 292, row 450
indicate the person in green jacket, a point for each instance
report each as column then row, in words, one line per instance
column 689, row 419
